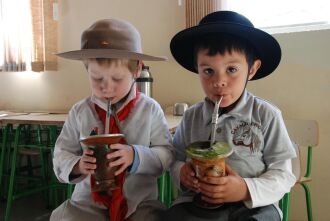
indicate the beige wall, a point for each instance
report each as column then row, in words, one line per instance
column 300, row 86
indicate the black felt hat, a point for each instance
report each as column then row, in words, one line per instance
column 217, row 23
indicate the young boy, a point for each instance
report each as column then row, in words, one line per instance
column 111, row 51
column 226, row 51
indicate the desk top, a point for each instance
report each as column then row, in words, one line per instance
column 35, row 118
column 59, row 119
column 4, row 114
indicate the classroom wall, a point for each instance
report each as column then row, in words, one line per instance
column 300, row 86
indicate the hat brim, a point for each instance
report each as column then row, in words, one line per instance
column 267, row 48
column 108, row 53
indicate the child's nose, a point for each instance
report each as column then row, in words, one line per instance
column 106, row 85
column 220, row 82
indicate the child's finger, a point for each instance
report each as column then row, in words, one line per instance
column 88, row 152
column 120, row 170
column 191, row 183
column 214, row 180
column 230, row 171
column 187, row 169
column 90, row 171
column 114, row 154
column 90, row 166
column 117, row 162
column 89, row 159
column 211, row 189
column 116, row 146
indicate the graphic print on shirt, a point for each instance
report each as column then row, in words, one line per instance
column 245, row 134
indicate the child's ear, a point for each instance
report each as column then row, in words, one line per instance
column 138, row 70
column 254, row 68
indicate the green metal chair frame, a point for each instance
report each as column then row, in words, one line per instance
column 305, row 134
column 44, row 164
column 3, row 161
column 167, row 190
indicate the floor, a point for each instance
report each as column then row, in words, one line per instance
column 27, row 209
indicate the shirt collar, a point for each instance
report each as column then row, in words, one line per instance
column 120, row 104
column 241, row 110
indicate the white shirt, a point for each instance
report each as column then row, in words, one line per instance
column 145, row 128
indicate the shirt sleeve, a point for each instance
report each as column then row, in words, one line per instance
column 262, row 189
column 136, row 161
column 270, row 186
column 156, row 158
column 180, row 155
column 67, row 151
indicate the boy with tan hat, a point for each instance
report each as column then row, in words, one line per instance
column 111, row 51
column 226, row 51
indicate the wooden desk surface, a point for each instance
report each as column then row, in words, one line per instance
column 35, row 118
column 59, row 119
column 4, row 114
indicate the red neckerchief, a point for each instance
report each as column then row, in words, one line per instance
column 116, row 203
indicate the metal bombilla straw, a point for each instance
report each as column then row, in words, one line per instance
column 107, row 119
column 215, row 120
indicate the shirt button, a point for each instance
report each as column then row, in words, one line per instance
column 218, row 130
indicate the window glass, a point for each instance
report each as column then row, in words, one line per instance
column 283, row 13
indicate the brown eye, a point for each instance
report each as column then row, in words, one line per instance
column 208, row 71
column 231, row 70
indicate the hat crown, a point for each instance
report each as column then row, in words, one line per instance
column 216, row 25
column 226, row 17
column 112, row 34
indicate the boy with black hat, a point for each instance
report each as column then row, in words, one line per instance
column 111, row 51
column 226, row 51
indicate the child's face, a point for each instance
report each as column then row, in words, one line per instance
column 224, row 75
column 112, row 81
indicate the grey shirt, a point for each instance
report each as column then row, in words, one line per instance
column 262, row 149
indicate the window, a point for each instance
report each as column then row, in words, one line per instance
column 28, row 36
column 283, row 15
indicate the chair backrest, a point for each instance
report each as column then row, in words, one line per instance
column 303, row 133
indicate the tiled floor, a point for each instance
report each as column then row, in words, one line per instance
column 32, row 208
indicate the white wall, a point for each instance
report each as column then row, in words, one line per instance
column 300, row 86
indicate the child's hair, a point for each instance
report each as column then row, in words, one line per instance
column 223, row 44
column 131, row 64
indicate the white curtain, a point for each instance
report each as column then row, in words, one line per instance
column 15, row 35
column 28, row 35
column 197, row 9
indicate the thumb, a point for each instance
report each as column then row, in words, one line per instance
column 230, row 171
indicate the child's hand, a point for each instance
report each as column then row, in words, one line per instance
column 187, row 177
column 86, row 165
column 230, row 188
column 123, row 157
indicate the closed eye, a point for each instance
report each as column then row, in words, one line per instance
column 97, row 79
column 116, row 79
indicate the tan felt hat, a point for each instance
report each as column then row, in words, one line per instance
column 110, row 38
